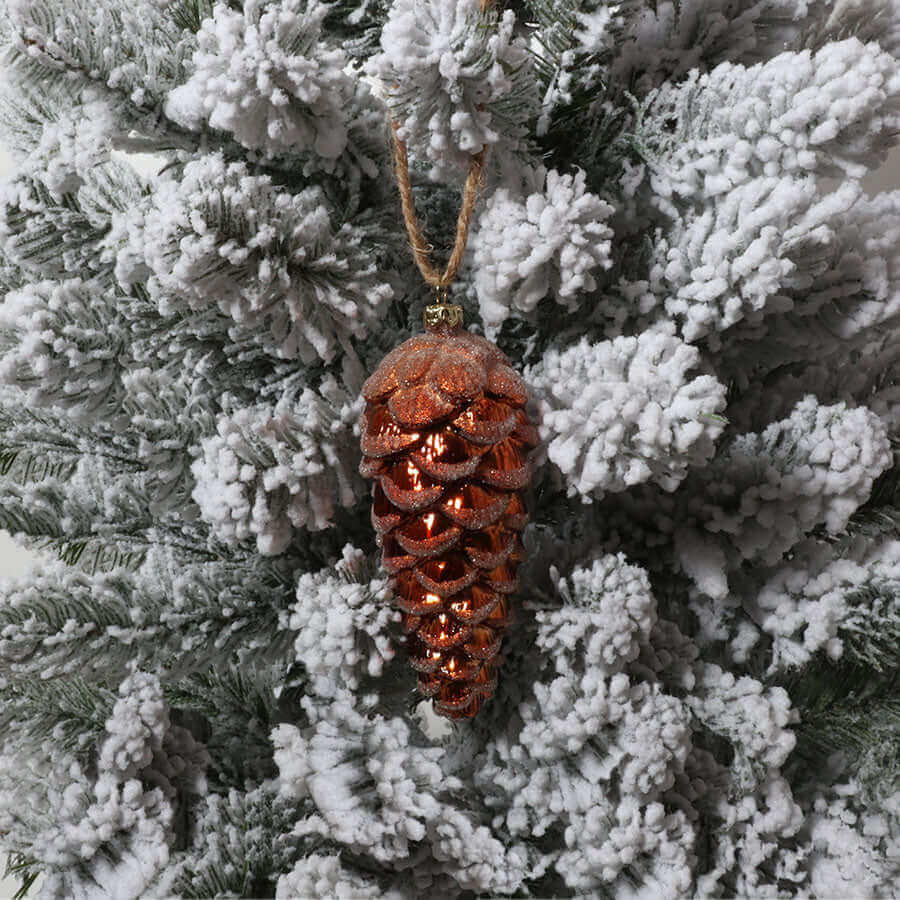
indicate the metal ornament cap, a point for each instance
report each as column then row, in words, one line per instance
column 443, row 315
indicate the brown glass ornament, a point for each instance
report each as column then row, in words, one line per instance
column 446, row 438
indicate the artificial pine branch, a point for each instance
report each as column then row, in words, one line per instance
column 206, row 692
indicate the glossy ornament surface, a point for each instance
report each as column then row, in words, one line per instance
column 446, row 439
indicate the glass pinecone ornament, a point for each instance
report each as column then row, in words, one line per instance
column 446, row 438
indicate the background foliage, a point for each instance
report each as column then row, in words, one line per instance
column 203, row 694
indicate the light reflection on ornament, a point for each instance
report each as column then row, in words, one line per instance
column 415, row 477
column 462, row 607
column 435, row 446
column 393, row 429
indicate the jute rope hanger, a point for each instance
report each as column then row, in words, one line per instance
column 440, row 281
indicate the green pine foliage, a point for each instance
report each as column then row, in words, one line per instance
column 203, row 690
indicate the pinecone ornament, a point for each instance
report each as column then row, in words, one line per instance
column 445, row 436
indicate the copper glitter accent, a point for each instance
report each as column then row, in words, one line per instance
column 446, row 440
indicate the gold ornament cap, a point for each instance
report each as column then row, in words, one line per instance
column 443, row 315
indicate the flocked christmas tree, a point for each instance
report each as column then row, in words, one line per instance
column 204, row 691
